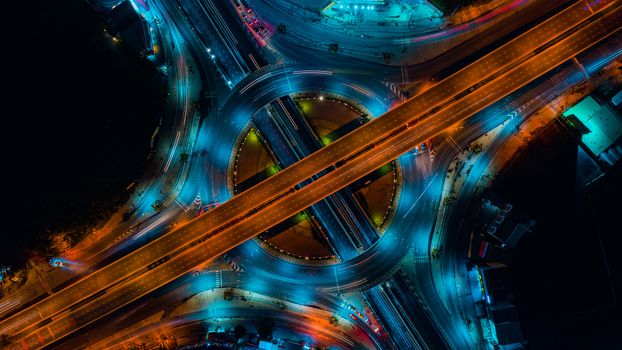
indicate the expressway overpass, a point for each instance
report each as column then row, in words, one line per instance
column 450, row 101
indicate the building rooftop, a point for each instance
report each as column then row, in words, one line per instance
column 603, row 125
column 130, row 26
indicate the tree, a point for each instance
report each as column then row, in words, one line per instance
column 228, row 295
column 387, row 56
column 279, row 304
column 59, row 242
column 333, row 48
column 183, row 157
column 5, row 340
column 265, row 329
column 436, row 253
column 333, row 320
column 282, row 29
column 239, row 331
column 157, row 205
column 476, row 148
column 448, row 200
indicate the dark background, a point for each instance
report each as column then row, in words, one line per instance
column 78, row 114
column 567, row 274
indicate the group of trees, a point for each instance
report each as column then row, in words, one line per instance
column 239, row 331
column 265, row 328
column 436, row 252
column 228, row 294
column 282, row 29
column 476, row 148
column 158, row 205
column 5, row 340
column 387, row 56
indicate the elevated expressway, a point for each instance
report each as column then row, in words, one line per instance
column 452, row 100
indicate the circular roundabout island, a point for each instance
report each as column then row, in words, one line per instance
column 289, row 129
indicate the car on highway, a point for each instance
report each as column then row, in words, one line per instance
column 157, row 263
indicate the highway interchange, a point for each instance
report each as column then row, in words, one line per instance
column 243, row 84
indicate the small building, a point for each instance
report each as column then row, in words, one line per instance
column 294, row 346
column 268, row 345
column 597, row 127
column 131, row 27
column 616, row 100
column 497, row 229
column 482, row 250
column 221, row 340
column 501, row 325
column 251, row 343
column 501, row 223
column 495, row 283
column 505, row 319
